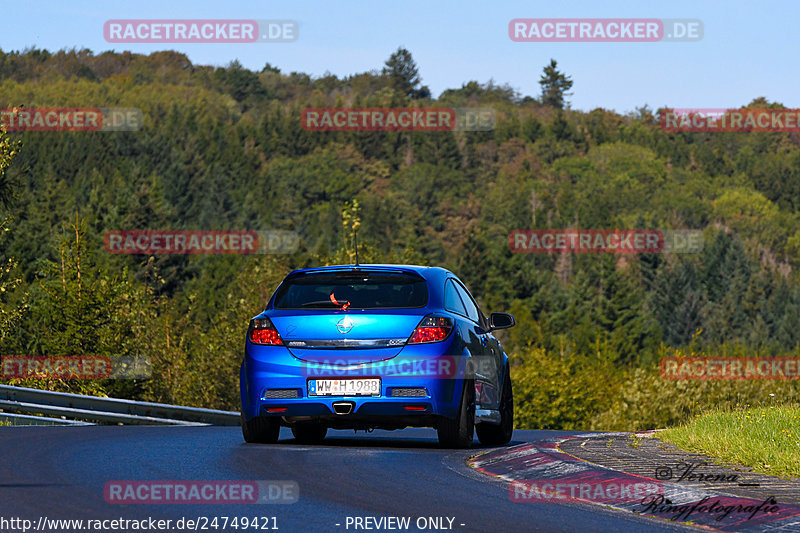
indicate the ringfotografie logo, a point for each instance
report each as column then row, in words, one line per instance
column 697, row 472
column 717, row 508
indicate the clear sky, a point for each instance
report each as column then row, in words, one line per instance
column 750, row 48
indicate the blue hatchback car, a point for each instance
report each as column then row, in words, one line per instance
column 376, row 346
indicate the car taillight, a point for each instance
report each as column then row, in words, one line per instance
column 262, row 331
column 431, row 329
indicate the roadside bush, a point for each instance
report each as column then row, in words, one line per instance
column 581, row 392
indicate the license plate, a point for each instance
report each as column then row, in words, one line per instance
column 344, row 387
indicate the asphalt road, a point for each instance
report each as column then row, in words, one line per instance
column 61, row 472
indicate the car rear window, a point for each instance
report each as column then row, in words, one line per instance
column 353, row 290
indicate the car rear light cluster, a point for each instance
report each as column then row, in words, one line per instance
column 262, row 331
column 432, row 329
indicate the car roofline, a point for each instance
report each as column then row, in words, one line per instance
column 423, row 271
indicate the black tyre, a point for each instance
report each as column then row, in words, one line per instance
column 458, row 432
column 500, row 434
column 261, row 429
column 309, row 432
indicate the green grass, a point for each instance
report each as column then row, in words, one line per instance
column 765, row 438
column 635, row 441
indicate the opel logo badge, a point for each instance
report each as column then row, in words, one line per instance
column 344, row 325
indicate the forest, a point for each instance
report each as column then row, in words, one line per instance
column 222, row 148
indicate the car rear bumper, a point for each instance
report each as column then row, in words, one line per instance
column 270, row 374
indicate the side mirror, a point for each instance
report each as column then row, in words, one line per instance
column 500, row 321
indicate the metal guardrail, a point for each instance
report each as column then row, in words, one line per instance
column 108, row 410
column 9, row 419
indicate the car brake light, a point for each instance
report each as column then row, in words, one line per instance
column 262, row 331
column 431, row 329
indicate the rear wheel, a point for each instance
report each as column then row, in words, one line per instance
column 261, row 429
column 499, row 434
column 458, row 432
column 309, row 432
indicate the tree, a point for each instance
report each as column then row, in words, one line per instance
column 531, row 129
column 630, row 328
column 554, row 86
column 269, row 68
column 79, row 308
column 403, row 72
column 240, row 82
column 351, row 220
column 482, row 92
column 677, row 300
column 10, row 312
column 725, row 274
column 8, row 149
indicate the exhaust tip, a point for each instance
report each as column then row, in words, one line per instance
column 343, row 408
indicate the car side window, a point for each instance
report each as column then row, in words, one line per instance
column 452, row 302
column 472, row 309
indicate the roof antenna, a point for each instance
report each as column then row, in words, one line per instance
column 355, row 241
